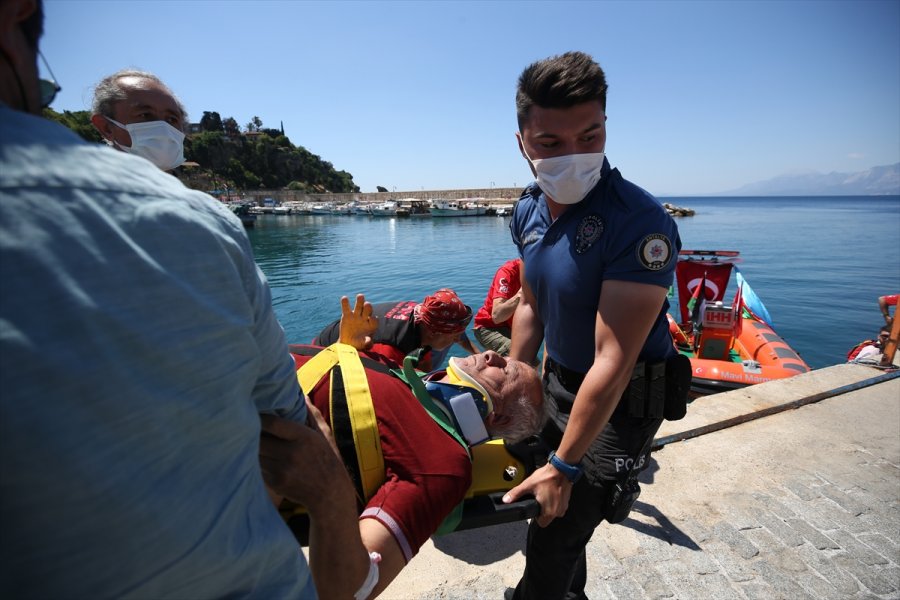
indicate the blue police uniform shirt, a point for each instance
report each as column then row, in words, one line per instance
column 618, row 232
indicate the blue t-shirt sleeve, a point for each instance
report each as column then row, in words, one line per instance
column 522, row 213
column 515, row 228
column 647, row 247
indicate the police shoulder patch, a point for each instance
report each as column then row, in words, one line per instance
column 588, row 232
column 654, row 251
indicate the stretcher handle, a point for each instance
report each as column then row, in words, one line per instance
column 489, row 509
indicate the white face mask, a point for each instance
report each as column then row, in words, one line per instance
column 157, row 141
column 568, row 179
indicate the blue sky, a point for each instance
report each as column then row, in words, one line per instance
column 704, row 96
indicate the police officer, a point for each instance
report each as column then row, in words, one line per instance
column 599, row 255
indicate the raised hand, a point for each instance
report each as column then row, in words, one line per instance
column 357, row 325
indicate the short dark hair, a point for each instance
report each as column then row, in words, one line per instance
column 560, row 82
column 33, row 25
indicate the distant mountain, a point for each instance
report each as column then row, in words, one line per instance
column 877, row 181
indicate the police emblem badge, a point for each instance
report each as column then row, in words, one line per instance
column 654, row 251
column 588, row 232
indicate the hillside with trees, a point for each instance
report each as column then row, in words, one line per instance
column 228, row 157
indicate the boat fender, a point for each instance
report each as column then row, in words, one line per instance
column 678, row 335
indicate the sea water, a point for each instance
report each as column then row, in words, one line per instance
column 818, row 263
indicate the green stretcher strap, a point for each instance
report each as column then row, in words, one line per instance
column 414, row 381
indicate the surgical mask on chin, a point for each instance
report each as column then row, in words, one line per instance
column 568, row 179
column 157, row 141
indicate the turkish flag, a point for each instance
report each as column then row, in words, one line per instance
column 690, row 274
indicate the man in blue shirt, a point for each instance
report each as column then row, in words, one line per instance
column 599, row 255
column 138, row 347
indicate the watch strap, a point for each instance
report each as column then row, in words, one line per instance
column 572, row 472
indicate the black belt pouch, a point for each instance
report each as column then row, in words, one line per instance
column 620, row 499
column 646, row 392
column 678, row 384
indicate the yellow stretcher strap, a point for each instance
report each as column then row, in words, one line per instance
column 352, row 412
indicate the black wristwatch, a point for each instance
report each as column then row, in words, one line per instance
column 572, row 472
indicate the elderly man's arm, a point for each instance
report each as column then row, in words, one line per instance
column 299, row 463
column 377, row 538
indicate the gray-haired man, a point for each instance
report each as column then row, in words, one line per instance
column 136, row 112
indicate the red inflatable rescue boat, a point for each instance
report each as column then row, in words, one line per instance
column 730, row 345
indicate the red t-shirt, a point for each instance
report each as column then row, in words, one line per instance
column 505, row 285
column 427, row 473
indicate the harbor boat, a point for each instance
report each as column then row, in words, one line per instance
column 504, row 210
column 384, row 209
column 342, row 209
column 730, row 346
column 297, row 207
column 466, row 207
column 243, row 211
column 282, row 210
column 413, row 208
column 322, row 208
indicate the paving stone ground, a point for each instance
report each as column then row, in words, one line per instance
column 804, row 503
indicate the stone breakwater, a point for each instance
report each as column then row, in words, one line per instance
column 678, row 211
column 489, row 196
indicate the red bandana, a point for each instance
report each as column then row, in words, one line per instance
column 444, row 312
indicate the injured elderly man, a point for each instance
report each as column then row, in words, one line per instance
column 404, row 436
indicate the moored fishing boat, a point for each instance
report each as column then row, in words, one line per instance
column 384, row 209
column 467, row 207
column 730, row 346
column 413, row 207
column 362, row 209
column 243, row 211
column 343, row 209
column 297, row 207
